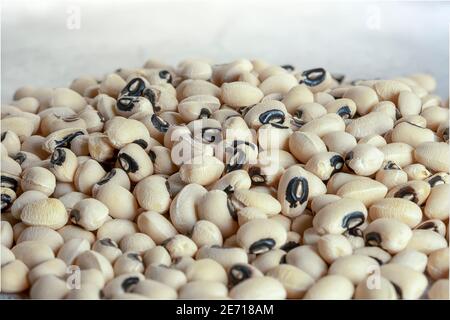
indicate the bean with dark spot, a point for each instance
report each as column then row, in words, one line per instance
column 273, row 115
column 292, row 191
column 58, row 157
column 108, row 242
column 66, row 141
column 141, row 143
column 128, row 163
column 134, row 88
column 159, row 123
column 313, row 77
column 407, row 193
column 238, row 273
column 9, row 182
column 353, row 220
column 128, row 283
column 262, row 245
column 373, row 239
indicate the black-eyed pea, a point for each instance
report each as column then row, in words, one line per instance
column 87, row 175
column 424, row 80
column 116, row 229
column 297, row 96
column 442, row 131
column 333, row 246
column 354, row 267
column 11, row 142
column 247, row 214
column 168, row 276
column 182, row 263
column 339, row 216
column 389, row 89
column 230, row 242
column 295, row 281
column 438, row 179
column 122, row 131
column 364, row 97
column 325, row 124
column 62, row 138
column 202, row 170
column 376, row 253
column 99, row 147
column 426, row 241
column 400, row 153
column 32, row 253
column 158, row 256
column 416, row 191
column 310, row 236
column 301, row 223
column 89, row 213
column 63, row 188
column 389, row 234
column 49, row 287
column 399, row 209
column 18, row 229
column 240, row 272
column 12, row 170
column 56, row 267
column 273, row 136
column 71, row 249
column 237, row 179
column 266, row 261
column 206, row 233
column 39, row 179
column 203, row 290
column 120, row 202
column 308, row 259
column 183, row 207
column 339, row 141
column 435, row 116
column 325, row 164
column 196, row 107
column 412, row 134
column 373, row 139
column 81, row 83
column 206, row 270
column 437, row 266
column 190, row 87
column 416, row 171
column 93, row 260
column 331, row 287
column 27, row 104
column 373, row 123
column 409, row 283
column 259, row 288
column 344, row 107
column 294, row 191
column 152, row 194
column 225, row 256
column 381, row 289
column 413, row 119
column 22, row 126
column 364, row 159
column 70, row 199
column 303, row 145
column 107, row 248
column 409, row 103
column 240, row 94
column 260, row 200
column 135, row 161
column 6, row 255
column 42, row 234
column 122, row 284
column 279, row 83
column 115, row 176
column 161, row 159
column 439, row 290
column 413, row 259
column 305, row 113
column 154, row 290
column 180, row 246
column 388, row 108
column 261, row 235
column 156, row 226
column 321, row 201
column 268, row 112
column 249, row 77
column 129, row 262
column 26, row 159
column 7, row 235
column 14, row 277
column 46, row 212
column 70, row 231
column 137, row 242
column 438, row 204
column 435, row 225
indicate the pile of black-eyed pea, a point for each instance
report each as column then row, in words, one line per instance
column 242, row 180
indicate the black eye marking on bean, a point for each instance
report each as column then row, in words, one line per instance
column 211, row 135
column 20, row 157
column 353, row 220
column 108, row 242
column 150, row 96
column 437, row 180
column 407, row 193
column 107, row 177
column 58, row 157
column 204, row 113
column 273, row 115
column 237, row 143
column 398, row 290
column 4, row 135
column 348, row 158
column 344, row 112
column 313, row 77
column 390, row 165
column 167, row 186
column 6, row 201
column 355, row 232
column 164, row 74
column 160, row 124
column 288, row 67
column 66, row 141
column 126, row 103
column 128, row 283
column 236, row 162
column 134, row 88
column 278, row 126
column 141, row 142
column 297, row 122
column 128, row 163
column 75, row 216
column 288, row 246
column 292, row 191
column 231, row 209
column 445, row 135
column 373, row 239
column 337, row 162
column 262, row 246
column 8, row 182
column 134, row 256
column 283, row 259
column 339, row 77
column 244, row 110
column 256, row 176
column 238, row 273
column 398, row 114
column 429, row 226
column 228, row 190
column 152, row 155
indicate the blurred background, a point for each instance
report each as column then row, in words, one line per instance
column 51, row 42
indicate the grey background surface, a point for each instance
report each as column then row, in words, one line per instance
column 362, row 40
